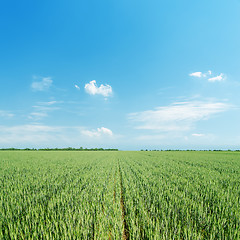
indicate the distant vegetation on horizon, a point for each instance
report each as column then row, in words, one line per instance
column 58, row 149
column 111, row 149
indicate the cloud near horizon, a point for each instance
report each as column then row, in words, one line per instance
column 27, row 135
column 92, row 89
column 179, row 116
column 39, row 135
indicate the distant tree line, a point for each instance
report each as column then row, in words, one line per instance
column 191, row 150
column 59, row 149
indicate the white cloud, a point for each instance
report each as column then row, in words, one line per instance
column 179, row 116
column 208, row 74
column 196, row 74
column 6, row 114
column 200, row 74
column 197, row 135
column 97, row 133
column 42, row 85
column 217, row 78
column 92, row 89
column 76, row 86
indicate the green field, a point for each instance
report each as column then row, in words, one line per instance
column 119, row 195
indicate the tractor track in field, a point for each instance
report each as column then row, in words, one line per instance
column 125, row 235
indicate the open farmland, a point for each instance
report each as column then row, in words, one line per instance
column 119, row 195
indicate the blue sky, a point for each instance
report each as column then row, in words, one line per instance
column 120, row 74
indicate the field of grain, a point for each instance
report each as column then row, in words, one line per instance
column 119, row 195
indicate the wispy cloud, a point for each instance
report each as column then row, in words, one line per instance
column 198, row 135
column 49, row 103
column 6, row 114
column 217, row 78
column 92, row 89
column 179, row 116
column 42, row 109
column 45, row 108
column 97, row 133
column 43, row 85
column 76, row 86
column 37, row 115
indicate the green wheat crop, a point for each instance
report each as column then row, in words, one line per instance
column 119, row 195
